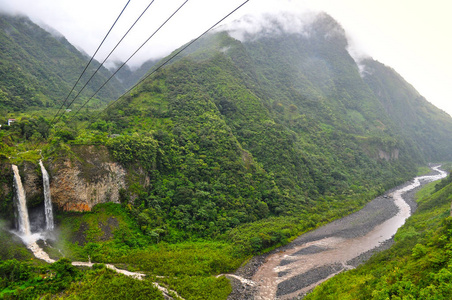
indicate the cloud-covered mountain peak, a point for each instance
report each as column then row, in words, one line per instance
column 307, row 24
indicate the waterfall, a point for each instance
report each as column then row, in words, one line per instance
column 47, row 198
column 30, row 239
column 21, row 203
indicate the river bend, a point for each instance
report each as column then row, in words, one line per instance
column 291, row 271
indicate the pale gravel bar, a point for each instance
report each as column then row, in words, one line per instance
column 355, row 225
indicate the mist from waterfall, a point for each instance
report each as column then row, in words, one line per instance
column 47, row 198
column 23, row 222
column 30, row 240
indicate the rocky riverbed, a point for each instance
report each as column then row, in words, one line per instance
column 291, row 271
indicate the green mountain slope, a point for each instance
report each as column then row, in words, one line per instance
column 277, row 123
column 129, row 77
column 38, row 69
column 428, row 127
column 274, row 124
column 242, row 142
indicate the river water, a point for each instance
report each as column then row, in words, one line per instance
column 316, row 256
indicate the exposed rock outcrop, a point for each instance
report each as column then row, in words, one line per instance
column 393, row 155
column 78, row 181
column 79, row 184
column 31, row 174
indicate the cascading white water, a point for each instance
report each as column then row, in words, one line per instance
column 23, row 220
column 47, row 198
column 21, row 204
column 30, row 239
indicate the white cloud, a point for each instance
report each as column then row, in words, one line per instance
column 410, row 36
column 270, row 23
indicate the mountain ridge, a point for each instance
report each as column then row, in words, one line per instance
column 233, row 148
column 330, row 141
column 38, row 69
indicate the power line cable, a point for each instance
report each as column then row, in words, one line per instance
column 108, row 56
column 142, row 45
column 89, row 62
column 166, row 62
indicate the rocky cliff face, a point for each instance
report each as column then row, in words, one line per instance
column 31, row 175
column 32, row 184
column 393, row 155
column 73, row 191
column 79, row 184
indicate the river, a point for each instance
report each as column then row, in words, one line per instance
column 293, row 270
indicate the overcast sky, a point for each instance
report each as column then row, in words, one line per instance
column 411, row 36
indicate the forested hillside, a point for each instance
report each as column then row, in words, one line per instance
column 128, row 76
column 38, row 69
column 244, row 141
column 425, row 125
column 275, row 124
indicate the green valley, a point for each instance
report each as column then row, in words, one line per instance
column 239, row 145
column 416, row 267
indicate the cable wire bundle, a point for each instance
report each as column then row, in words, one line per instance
column 53, row 122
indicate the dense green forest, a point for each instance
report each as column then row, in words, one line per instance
column 236, row 147
column 130, row 76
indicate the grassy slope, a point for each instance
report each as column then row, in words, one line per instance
column 109, row 235
column 25, row 280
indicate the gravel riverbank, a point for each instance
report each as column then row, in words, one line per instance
column 285, row 262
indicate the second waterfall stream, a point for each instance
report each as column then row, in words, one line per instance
column 47, row 198
column 30, row 238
